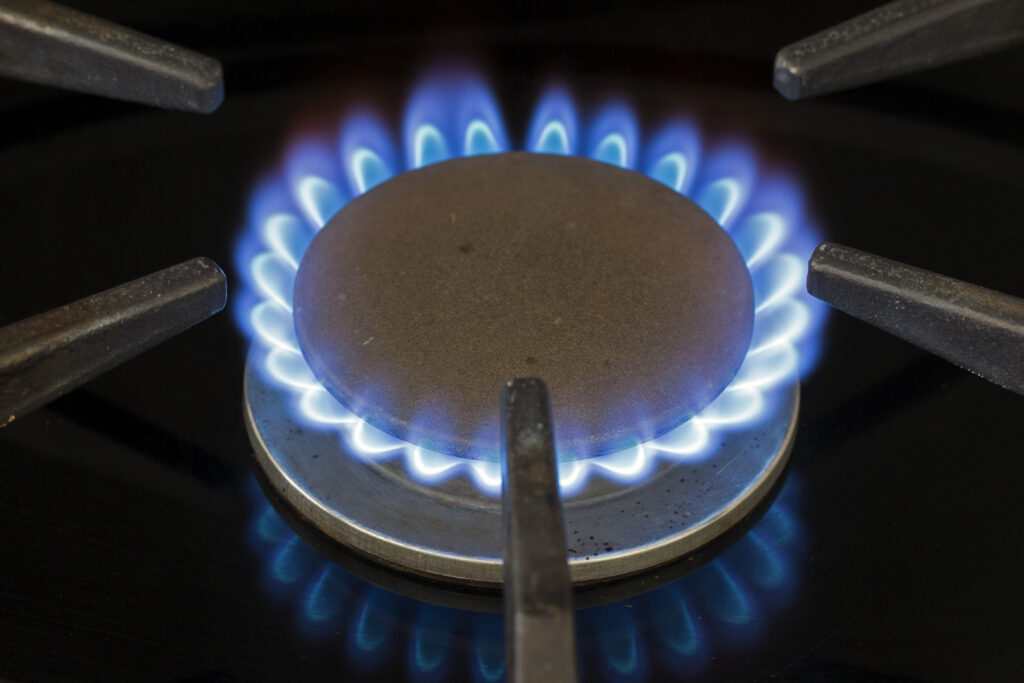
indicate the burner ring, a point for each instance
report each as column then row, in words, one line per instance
column 452, row 532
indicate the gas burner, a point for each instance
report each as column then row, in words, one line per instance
column 145, row 466
column 669, row 347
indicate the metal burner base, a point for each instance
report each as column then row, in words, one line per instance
column 453, row 532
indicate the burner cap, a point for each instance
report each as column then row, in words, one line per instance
column 419, row 299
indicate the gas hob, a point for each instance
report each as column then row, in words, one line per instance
column 144, row 540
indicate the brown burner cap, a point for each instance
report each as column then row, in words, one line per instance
column 419, row 299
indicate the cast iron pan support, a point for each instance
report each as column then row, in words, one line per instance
column 898, row 38
column 43, row 42
column 50, row 354
column 979, row 329
column 540, row 633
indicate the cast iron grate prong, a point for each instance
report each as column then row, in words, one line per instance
column 897, row 38
column 540, row 632
column 47, row 43
column 976, row 328
column 50, row 354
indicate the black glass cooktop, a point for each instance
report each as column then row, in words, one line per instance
column 138, row 543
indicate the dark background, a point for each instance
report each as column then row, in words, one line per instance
column 125, row 508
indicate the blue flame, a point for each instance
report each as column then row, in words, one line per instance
column 672, row 617
column 673, row 155
column 613, row 136
column 725, row 604
column 453, row 113
column 431, row 641
column 292, row 562
column 313, row 174
column 619, row 641
column 368, row 152
column 374, row 621
column 554, row 129
column 489, row 640
column 326, row 595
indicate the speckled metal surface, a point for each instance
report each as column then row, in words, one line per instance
column 420, row 298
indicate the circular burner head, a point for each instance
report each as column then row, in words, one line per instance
column 419, row 299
